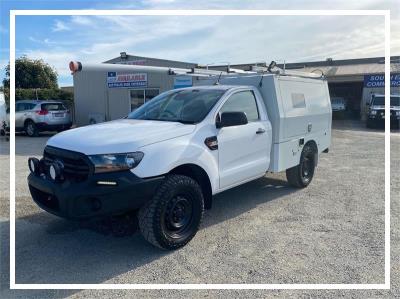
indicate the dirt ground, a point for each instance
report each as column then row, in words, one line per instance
column 260, row 232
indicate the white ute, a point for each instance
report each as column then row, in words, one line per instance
column 170, row 156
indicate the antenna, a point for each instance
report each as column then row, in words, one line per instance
column 219, row 77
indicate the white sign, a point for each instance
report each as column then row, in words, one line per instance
column 183, row 81
column 124, row 80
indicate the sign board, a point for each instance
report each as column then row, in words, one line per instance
column 126, row 80
column 183, row 81
column 373, row 81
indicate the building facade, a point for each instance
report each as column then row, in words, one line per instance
column 114, row 88
column 354, row 80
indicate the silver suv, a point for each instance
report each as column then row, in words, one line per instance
column 35, row 116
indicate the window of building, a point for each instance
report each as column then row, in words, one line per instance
column 141, row 96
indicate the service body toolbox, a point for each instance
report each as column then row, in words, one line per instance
column 298, row 108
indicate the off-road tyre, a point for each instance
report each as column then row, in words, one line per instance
column 173, row 216
column 300, row 176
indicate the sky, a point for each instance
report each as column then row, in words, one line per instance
column 200, row 39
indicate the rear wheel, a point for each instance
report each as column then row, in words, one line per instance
column 172, row 218
column 301, row 175
column 31, row 129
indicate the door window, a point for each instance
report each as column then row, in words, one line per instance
column 24, row 106
column 243, row 101
column 19, row 107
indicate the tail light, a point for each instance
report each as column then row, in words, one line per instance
column 42, row 112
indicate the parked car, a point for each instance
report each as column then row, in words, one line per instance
column 338, row 104
column 35, row 116
column 170, row 156
column 376, row 110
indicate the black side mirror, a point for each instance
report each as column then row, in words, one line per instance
column 229, row 119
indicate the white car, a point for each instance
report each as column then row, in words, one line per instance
column 170, row 156
column 338, row 104
column 33, row 116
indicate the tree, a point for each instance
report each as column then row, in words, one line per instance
column 31, row 73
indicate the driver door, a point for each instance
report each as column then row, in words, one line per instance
column 244, row 150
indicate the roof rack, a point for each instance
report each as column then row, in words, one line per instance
column 284, row 72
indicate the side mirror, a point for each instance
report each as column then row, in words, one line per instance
column 229, row 119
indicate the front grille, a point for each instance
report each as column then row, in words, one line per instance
column 45, row 199
column 77, row 167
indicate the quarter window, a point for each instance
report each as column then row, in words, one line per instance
column 243, row 101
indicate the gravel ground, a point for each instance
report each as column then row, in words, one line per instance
column 261, row 232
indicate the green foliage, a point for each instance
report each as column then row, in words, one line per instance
column 43, row 94
column 31, row 73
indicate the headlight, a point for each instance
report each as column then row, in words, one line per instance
column 116, row 162
column 397, row 113
column 373, row 112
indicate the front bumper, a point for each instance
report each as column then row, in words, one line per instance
column 87, row 199
column 381, row 117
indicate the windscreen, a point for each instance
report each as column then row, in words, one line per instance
column 186, row 106
column 380, row 101
column 53, row 107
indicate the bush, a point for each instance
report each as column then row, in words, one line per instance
column 43, row 94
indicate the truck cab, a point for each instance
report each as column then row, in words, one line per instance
column 168, row 158
column 376, row 110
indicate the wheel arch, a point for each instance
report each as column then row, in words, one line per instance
column 197, row 173
column 314, row 145
column 28, row 120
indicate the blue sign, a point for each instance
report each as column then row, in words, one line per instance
column 183, row 81
column 124, row 80
column 372, row 81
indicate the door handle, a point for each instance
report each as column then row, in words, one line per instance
column 260, row 131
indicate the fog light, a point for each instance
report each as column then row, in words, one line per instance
column 55, row 171
column 33, row 165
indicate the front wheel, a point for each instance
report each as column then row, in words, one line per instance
column 301, row 175
column 172, row 218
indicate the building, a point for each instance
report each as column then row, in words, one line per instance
column 355, row 80
column 113, row 89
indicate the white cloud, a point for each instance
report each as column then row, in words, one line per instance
column 82, row 20
column 60, row 26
